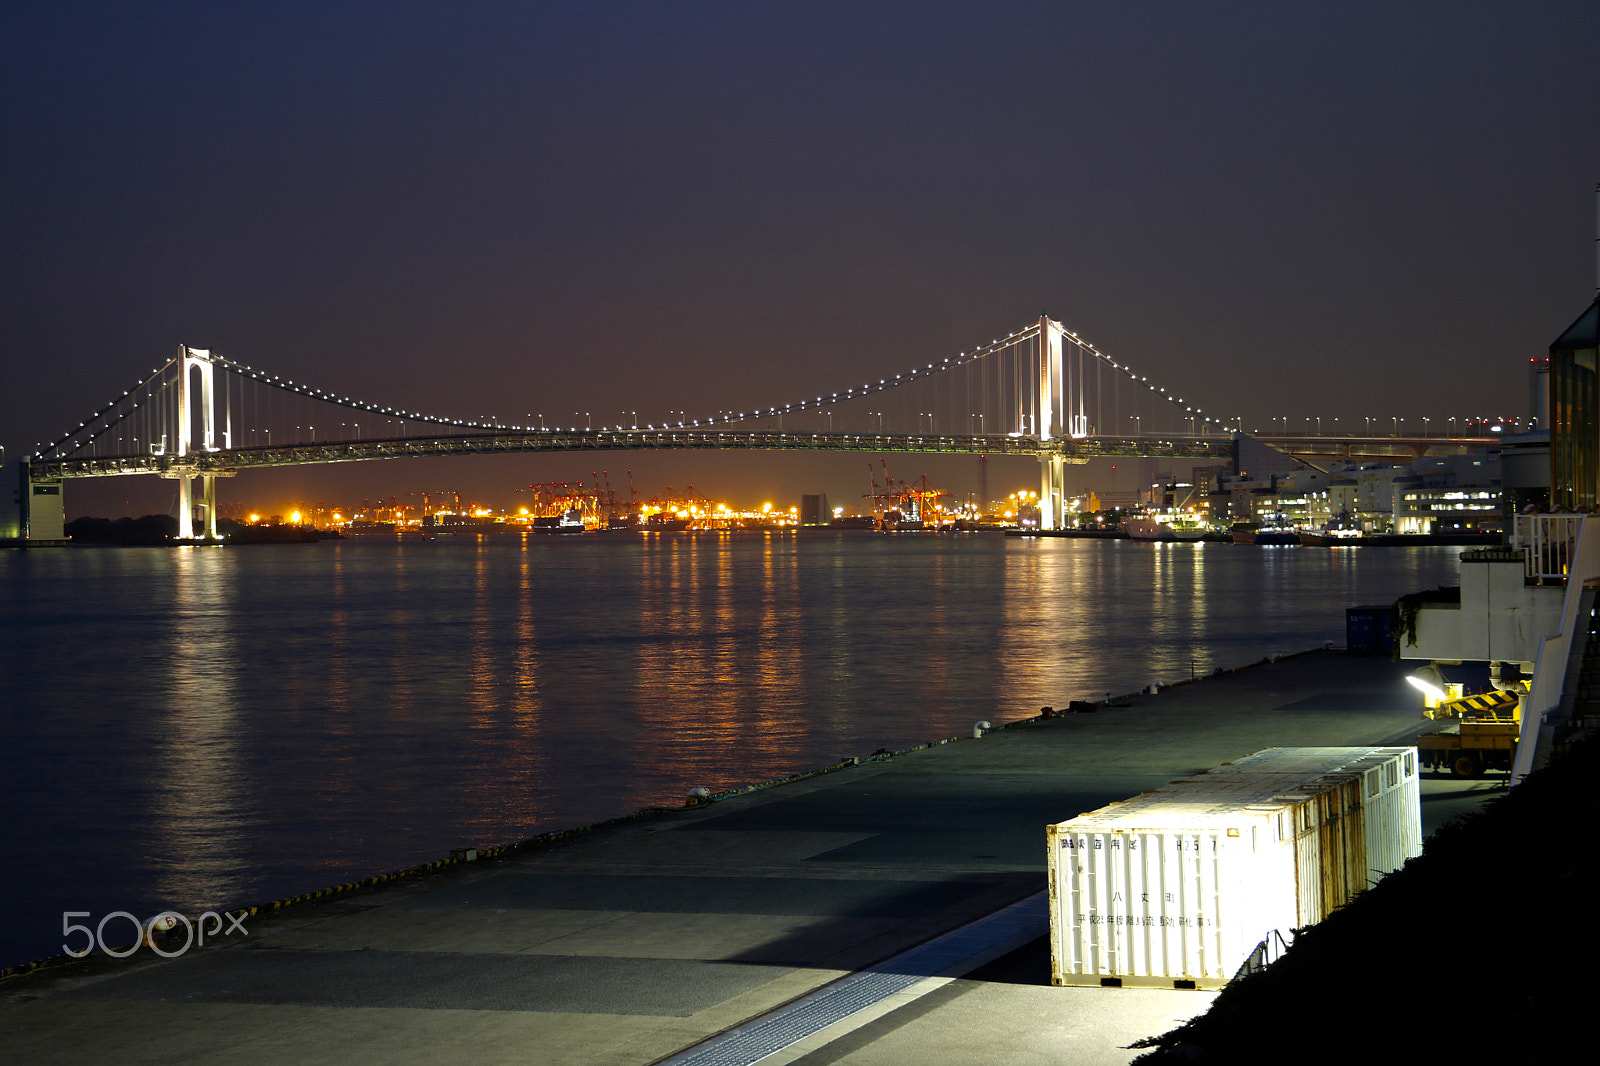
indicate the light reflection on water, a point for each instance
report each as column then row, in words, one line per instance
column 200, row 813
column 213, row 727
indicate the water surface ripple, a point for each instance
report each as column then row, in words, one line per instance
column 201, row 727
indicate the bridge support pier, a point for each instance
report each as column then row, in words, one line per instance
column 1050, row 424
column 1052, row 491
column 209, row 490
column 186, row 504
column 185, row 508
column 30, row 509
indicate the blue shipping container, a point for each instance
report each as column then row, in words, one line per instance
column 1366, row 631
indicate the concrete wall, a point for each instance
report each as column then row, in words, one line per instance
column 13, row 506
column 46, row 514
column 1499, row 618
column 30, row 510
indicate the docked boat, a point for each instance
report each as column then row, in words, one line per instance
column 1330, row 538
column 1270, row 531
column 458, row 523
column 1157, row 526
column 1342, row 530
column 1266, row 536
column 569, row 521
column 664, row 522
column 897, row 521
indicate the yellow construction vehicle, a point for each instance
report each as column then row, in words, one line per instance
column 1483, row 734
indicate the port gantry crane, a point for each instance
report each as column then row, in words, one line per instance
column 899, row 502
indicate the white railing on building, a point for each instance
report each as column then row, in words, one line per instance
column 1576, row 549
column 1550, row 542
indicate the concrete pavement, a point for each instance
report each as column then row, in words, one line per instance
column 634, row 944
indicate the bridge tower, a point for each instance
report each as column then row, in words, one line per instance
column 192, row 362
column 1051, row 423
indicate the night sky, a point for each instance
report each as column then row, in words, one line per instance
column 1336, row 210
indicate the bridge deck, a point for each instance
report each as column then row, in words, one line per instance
column 229, row 460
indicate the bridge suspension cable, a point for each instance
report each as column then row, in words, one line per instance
column 990, row 390
column 995, row 390
column 254, row 409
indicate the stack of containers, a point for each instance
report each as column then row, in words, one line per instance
column 1177, row 888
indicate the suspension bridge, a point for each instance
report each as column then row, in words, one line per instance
column 1041, row 391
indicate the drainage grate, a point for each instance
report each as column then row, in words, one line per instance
column 781, row 1028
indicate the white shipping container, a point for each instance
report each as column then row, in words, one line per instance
column 1178, row 887
column 1304, row 762
column 1390, row 807
column 1393, row 807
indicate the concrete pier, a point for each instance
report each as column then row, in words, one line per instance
column 634, row 944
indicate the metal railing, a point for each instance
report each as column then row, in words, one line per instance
column 1541, row 707
column 1265, row 954
column 1549, row 542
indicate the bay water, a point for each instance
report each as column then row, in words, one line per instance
column 210, row 727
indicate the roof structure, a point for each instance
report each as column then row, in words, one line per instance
column 1583, row 333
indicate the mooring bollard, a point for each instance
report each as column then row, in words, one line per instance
column 698, row 796
column 979, row 728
